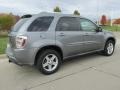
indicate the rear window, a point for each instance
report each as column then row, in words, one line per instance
column 17, row 26
column 41, row 24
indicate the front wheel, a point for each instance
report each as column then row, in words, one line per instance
column 49, row 61
column 109, row 48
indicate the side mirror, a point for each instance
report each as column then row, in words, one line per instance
column 99, row 29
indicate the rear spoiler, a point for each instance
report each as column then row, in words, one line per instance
column 26, row 16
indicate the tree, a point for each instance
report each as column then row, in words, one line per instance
column 57, row 9
column 6, row 21
column 76, row 12
column 103, row 20
column 17, row 18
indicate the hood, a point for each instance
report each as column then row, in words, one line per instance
column 106, row 31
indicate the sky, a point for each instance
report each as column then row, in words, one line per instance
column 87, row 8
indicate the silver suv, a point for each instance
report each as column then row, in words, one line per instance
column 46, row 39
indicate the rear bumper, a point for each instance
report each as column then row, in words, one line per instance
column 21, row 56
column 13, row 60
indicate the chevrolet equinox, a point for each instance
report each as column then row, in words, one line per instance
column 46, row 39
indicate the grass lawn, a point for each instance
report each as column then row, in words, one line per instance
column 111, row 28
column 3, row 44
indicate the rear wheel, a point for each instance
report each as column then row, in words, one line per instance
column 49, row 61
column 109, row 48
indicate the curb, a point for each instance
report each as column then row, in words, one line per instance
column 2, row 56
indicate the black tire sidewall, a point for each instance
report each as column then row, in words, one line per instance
column 42, row 56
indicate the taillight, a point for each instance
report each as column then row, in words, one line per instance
column 21, row 41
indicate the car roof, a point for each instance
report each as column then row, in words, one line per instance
column 56, row 14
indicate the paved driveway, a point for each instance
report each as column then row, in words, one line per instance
column 88, row 72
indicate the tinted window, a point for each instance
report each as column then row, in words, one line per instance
column 68, row 24
column 41, row 24
column 87, row 25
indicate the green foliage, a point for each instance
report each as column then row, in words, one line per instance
column 111, row 28
column 76, row 12
column 6, row 21
column 57, row 9
column 3, row 44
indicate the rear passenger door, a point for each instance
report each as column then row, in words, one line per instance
column 69, row 35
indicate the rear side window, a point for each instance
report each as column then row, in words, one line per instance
column 41, row 24
column 17, row 26
column 68, row 24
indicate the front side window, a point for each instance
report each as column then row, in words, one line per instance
column 41, row 24
column 87, row 25
column 68, row 24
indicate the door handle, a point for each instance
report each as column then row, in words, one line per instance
column 86, row 34
column 61, row 34
column 42, row 36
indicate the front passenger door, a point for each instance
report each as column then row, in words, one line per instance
column 92, row 40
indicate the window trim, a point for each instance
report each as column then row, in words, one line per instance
column 89, row 21
column 65, row 17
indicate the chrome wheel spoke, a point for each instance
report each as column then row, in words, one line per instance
column 54, row 63
column 47, row 58
column 49, row 67
column 45, row 64
column 52, row 58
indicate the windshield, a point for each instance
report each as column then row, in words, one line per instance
column 17, row 26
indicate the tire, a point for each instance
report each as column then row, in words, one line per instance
column 49, row 61
column 107, row 51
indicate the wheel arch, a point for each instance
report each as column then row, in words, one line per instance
column 111, row 38
column 54, row 47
